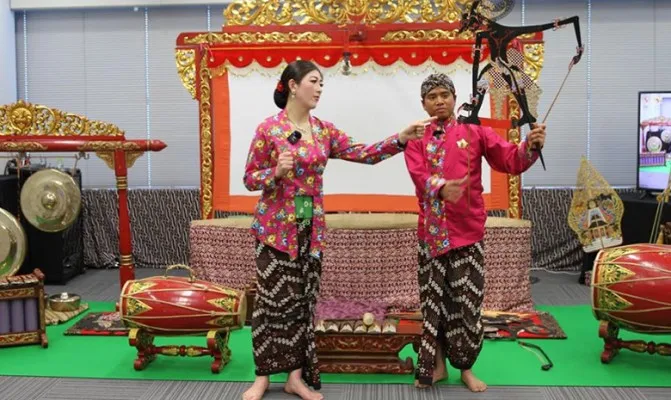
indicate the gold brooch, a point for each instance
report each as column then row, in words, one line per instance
column 462, row 143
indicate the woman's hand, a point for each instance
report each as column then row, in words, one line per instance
column 285, row 163
column 415, row 131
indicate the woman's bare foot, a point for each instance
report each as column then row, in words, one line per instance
column 472, row 382
column 295, row 385
column 258, row 388
column 439, row 371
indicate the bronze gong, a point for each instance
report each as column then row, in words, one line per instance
column 12, row 244
column 50, row 200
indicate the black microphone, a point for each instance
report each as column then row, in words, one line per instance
column 294, row 137
column 437, row 133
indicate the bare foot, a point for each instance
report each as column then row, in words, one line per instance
column 295, row 385
column 439, row 374
column 439, row 371
column 472, row 382
column 257, row 390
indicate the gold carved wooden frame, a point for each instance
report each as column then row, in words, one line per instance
column 278, row 23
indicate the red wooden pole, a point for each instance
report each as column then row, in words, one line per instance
column 127, row 267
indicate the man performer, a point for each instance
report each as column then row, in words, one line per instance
column 446, row 169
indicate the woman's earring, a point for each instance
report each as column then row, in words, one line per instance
column 293, row 94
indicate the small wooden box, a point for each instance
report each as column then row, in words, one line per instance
column 22, row 307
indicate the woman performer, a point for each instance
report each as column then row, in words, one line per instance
column 443, row 165
column 286, row 161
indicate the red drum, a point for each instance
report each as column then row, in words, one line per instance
column 173, row 305
column 631, row 287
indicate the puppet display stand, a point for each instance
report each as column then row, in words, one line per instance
column 631, row 289
column 179, row 306
column 33, row 128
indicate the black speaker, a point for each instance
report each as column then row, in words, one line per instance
column 59, row 255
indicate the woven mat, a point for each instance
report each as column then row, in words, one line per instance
column 52, row 317
column 503, row 325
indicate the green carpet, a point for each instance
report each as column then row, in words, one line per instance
column 576, row 359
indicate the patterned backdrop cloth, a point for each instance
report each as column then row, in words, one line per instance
column 160, row 224
column 366, row 263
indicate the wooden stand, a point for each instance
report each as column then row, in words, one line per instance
column 364, row 353
column 217, row 347
column 25, row 288
column 35, row 128
column 609, row 332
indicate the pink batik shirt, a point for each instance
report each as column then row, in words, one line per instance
column 274, row 221
column 433, row 160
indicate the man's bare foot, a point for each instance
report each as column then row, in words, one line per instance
column 258, row 388
column 439, row 373
column 295, row 385
column 472, row 382
column 419, row 385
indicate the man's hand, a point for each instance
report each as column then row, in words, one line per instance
column 453, row 189
column 285, row 163
column 415, row 131
column 536, row 137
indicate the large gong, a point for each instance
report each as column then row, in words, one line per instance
column 50, row 200
column 12, row 244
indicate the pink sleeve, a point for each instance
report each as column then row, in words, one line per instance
column 504, row 156
column 415, row 160
column 259, row 169
column 346, row 148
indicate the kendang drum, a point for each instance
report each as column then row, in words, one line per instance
column 178, row 306
column 631, row 289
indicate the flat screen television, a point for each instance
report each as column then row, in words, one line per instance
column 654, row 140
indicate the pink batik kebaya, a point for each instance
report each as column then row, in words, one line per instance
column 456, row 153
column 274, row 220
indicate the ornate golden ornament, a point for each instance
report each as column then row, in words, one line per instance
column 533, row 59
column 131, row 157
column 50, row 200
column 139, row 286
column 432, row 35
column 205, row 139
column 611, row 301
column 109, row 146
column 514, row 184
column 12, row 244
column 135, row 307
column 24, row 119
column 611, row 255
column 303, row 12
column 613, row 273
column 596, row 211
column 22, row 146
column 225, row 303
column 257, row 38
column 186, row 68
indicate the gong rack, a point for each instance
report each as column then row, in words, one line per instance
column 27, row 128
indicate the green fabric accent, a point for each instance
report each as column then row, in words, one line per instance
column 303, row 206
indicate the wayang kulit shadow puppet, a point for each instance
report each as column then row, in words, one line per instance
column 481, row 18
